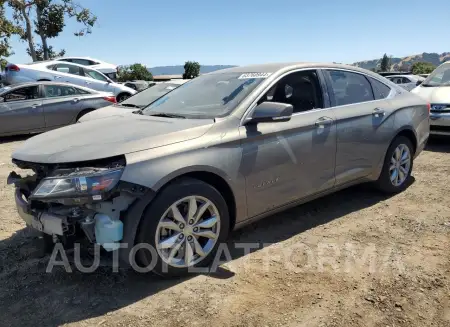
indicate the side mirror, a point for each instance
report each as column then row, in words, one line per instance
column 2, row 99
column 418, row 83
column 268, row 112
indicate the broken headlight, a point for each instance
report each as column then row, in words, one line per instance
column 80, row 182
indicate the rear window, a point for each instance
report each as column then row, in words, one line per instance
column 349, row 87
column 380, row 90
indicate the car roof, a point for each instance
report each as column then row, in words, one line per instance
column 274, row 67
column 54, row 62
column 24, row 84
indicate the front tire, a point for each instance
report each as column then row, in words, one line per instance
column 397, row 166
column 184, row 226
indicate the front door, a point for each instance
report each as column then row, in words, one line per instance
column 285, row 161
column 95, row 80
column 364, row 122
column 21, row 111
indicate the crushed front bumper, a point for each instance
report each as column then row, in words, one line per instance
column 41, row 221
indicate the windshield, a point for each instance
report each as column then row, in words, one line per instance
column 147, row 96
column 439, row 77
column 207, row 96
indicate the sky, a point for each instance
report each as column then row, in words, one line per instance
column 240, row 32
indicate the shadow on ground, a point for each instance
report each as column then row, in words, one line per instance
column 15, row 138
column 29, row 296
column 438, row 143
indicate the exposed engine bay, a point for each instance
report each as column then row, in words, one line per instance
column 74, row 202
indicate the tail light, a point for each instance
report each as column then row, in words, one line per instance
column 13, row 68
column 111, row 99
column 429, row 107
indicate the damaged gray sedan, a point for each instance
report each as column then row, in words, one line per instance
column 219, row 152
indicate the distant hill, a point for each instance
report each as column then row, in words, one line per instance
column 405, row 63
column 179, row 69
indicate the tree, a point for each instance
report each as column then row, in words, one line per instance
column 51, row 54
column 422, row 68
column 7, row 29
column 134, row 72
column 46, row 18
column 384, row 66
column 191, row 69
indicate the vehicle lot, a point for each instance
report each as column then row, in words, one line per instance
column 409, row 231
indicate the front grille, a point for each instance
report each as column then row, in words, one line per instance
column 438, row 108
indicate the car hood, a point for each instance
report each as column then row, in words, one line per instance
column 433, row 94
column 108, row 137
column 107, row 112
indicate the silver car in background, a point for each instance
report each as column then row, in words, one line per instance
column 408, row 82
column 36, row 107
column 59, row 71
column 223, row 150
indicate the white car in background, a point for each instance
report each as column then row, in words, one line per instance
column 408, row 82
column 58, row 71
column 436, row 90
column 106, row 68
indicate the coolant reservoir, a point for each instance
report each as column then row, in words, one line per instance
column 108, row 232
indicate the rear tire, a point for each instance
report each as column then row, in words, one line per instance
column 397, row 167
column 122, row 97
column 196, row 235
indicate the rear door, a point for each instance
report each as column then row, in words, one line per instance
column 364, row 124
column 68, row 73
column 21, row 110
column 61, row 104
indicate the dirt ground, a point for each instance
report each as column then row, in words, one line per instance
column 355, row 258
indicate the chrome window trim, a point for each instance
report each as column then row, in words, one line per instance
column 253, row 104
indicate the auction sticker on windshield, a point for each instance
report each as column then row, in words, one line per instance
column 254, row 75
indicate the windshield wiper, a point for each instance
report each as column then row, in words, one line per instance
column 429, row 85
column 129, row 105
column 161, row 114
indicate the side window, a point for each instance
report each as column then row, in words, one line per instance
column 405, row 80
column 83, row 62
column 380, row 90
column 80, row 91
column 68, row 69
column 52, row 91
column 302, row 90
column 95, row 75
column 24, row 93
column 349, row 88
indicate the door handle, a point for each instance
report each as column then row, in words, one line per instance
column 56, row 77
column 323, row 121
column 378, row 112
column 88, row 83
column 34, row 106
column 76, row 100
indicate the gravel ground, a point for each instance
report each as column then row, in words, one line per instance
column 355, row 258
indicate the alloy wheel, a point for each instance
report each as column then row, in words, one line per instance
column 400, row 165
column 188, row 231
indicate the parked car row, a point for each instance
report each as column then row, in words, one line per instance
column 54, row 70
column 210, row 156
